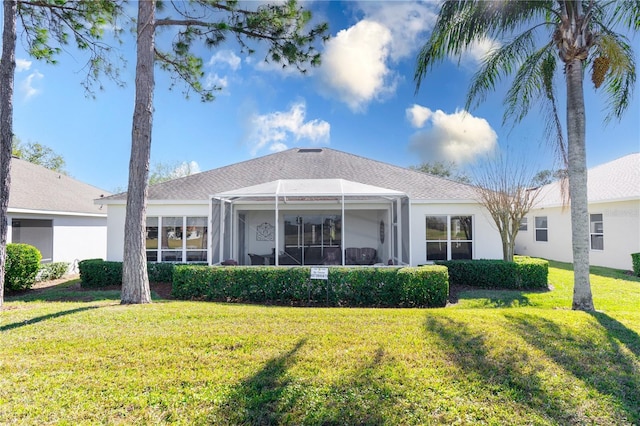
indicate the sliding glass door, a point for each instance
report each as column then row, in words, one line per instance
column 312, row 239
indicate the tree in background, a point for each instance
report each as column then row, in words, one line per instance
column 162, row 172
column 282, row 26
column 447, row 170
column 506, row 188
column 541, row 38
column 39, row 154
column 47, row 26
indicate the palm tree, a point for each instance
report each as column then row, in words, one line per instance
column 540, row 38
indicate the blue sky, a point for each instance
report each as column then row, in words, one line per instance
column 362, row 100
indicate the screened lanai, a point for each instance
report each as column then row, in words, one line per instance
column 310, row 222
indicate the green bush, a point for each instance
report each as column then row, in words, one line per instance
column 22, row 265
column 523, row 272
column 635, row 260
column 292, row 285
column 100, row 273
column 52, row 271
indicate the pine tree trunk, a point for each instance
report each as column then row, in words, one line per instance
column 135, row 280
column 7, row 73
column 582, row 298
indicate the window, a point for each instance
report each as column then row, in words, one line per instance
column 176, row 239
column 541, row 228
column 523, row 224
column 449, row 237
column 36, row 232
column 596, row 232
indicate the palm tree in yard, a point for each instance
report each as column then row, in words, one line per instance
column 541, row 38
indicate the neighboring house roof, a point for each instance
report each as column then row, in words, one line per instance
column 37, row 188
column 617, row 180
column 313, row 163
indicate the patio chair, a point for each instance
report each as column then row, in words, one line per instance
column 256, row 259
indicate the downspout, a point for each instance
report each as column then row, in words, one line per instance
column 276, row 260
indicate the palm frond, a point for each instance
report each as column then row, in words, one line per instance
column 461, row 23
column 497, row 65
column 620, row 79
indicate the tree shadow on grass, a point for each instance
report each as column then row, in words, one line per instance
column 491, row 298
column 45, row 317
column 506, row 373
column 269, row 397
column 258, row 399
column 362, row 399
column 611, row 368
column 601, row 271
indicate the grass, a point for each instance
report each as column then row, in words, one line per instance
column 497, row 357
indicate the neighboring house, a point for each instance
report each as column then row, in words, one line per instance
column 56, row 214
column 309, row 207
column 614, row 213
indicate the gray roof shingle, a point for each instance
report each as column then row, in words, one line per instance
column 315, row 163
column 35, row 187
column 616, row 180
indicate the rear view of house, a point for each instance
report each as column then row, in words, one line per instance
column 614, row 213
column 56, row 214
column 310, row 206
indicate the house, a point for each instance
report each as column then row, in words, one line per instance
column 314, row 206
column 56, row 214
column 614, row 214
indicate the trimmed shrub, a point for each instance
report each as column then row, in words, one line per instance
column 22, row 265
column 52, row 271
column 635, row 260
column 523, row 273
column 424, row 286
column 292, row 285
column 100, row 273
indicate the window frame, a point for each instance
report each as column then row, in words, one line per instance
column 450, row 239
column 593, row 233
column 171, row 254
column 539, row 229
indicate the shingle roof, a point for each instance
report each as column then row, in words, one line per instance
column 316, row 163
column 34, row 187
column 616, row 180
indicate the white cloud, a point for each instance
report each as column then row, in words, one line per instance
column 22, row 65
column 476, row 52
column 458, row 137
column 354, row 64
column 214, row 80
column 407, row 21
column 275, row 129
column 418, row 115
column 226, row 57
column 28, row 85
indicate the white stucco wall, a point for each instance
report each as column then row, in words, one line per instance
column 621, row 229
column 486, row 239
column 74, row 237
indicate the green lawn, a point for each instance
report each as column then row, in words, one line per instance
column 497, row 357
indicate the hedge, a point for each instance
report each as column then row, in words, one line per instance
column 21, row 267
column 100, row 273
column 382, row 287
column 635, row 260
column 523, row 273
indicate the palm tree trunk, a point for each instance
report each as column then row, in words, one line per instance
column 135, row 280
column 582, row 299
column 7, row 73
